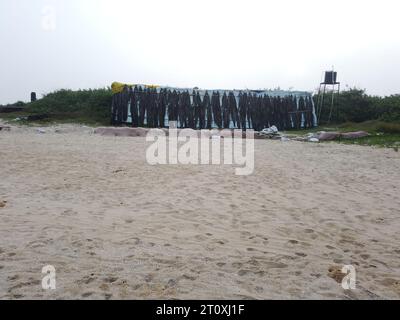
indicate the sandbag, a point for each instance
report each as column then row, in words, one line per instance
column 326, row 136
column 355, row 135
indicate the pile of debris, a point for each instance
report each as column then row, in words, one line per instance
column 35, row 117
column 274, row 134
column 270, row 133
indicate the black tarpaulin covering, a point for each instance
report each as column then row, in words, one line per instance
column 144, row 106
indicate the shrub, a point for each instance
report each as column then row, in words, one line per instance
column 92, row 105
column 354, row 105
column 388, row 127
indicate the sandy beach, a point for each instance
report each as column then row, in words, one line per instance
column 115, row 227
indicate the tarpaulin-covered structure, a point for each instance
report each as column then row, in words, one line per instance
column 155, row 106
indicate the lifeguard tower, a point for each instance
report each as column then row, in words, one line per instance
column 330, row 81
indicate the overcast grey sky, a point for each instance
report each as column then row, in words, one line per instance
column 53, row 44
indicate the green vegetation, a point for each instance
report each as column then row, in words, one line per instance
column 355, row 105
column 91, row 107
column 388, row 127
column 357, row 111
column 16, row 104
column 382, row 134
column 386, row 141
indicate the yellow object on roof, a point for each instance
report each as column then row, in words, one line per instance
column 118, row 87
column 151, row 86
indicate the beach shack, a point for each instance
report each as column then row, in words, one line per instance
column 155, row 106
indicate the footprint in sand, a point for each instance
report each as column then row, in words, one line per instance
column 188, row 277
column 30, row 283
column 38, row 244
column 69, row 212
column 259, row 289
column 111, row 279
column 87, row 279
column 148, row 278
column 104, row 287
column 278, row 265
column 200, row 237
column 392, row 283
column 301, row 254
column 137, row 286
column 253, row 262
column 242, row 273
column 87, row 294
column 108, row 296
column 172, row 283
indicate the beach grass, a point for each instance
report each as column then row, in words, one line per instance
column 382, row 134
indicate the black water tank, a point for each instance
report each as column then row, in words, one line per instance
column 330, row 77
column 33, row 96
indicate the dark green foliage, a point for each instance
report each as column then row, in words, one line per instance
column 83, row 105
column 355, row 105
column 19, row 104
column 390, row 107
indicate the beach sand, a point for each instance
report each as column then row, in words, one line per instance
column 115, row 227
